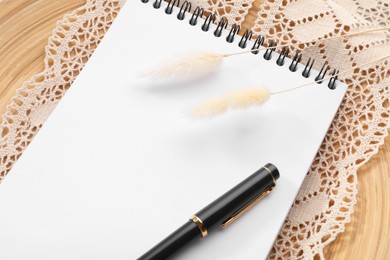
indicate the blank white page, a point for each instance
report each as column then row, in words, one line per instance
column 118, row 166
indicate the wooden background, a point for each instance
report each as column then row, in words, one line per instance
column 25, row 26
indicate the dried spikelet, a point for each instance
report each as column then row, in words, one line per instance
column 241, row 99
column 190, row 67
column 210, row 108
column 249, row 97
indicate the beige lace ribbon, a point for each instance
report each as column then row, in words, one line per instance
column 327, row 197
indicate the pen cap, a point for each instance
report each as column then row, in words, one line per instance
column 274, row 171
column 239, row 196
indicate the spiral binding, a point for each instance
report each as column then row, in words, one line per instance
column 198, row 13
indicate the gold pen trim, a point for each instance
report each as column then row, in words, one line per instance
column 270, row 172
column 236, row 216
column 200, row 225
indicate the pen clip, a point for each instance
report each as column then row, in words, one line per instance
column 237, row 214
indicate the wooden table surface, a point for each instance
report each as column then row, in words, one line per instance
column 25, row 26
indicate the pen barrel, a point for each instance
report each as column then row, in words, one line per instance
column 239, row 196
column 216, row 212
column 173, row 242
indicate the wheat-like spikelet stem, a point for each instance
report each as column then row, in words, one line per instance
column 247, row 98
column 191, row 66
column 240, row 99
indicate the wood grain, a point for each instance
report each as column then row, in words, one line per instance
column 367, row 236
column 25, row 26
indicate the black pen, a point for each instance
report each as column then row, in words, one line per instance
column 224, row 211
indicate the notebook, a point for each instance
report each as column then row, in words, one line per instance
column 119, row 165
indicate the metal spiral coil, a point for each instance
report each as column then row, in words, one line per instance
column 245, row 38
column 185, row 7
column 233, row 32
column 222, row 24
column 258, row 43
column 169, row 8
column 296, row 60
column 271, row 48
column 197, row 13
column 209, row 19
column 282, row 56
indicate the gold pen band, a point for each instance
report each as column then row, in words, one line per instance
column 200, row 225
column 270, row 172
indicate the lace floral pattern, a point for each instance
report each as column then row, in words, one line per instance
column 71, row 44
column 326, row 199
column 233, row 10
